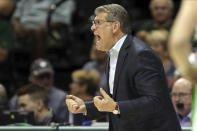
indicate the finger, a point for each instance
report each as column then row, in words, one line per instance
column 97, row 102
column 72, row 105
column 68, row 103
column 75, row 107
column 104, row 94
column 71, row 97
column 98, row 98
column 82, row 109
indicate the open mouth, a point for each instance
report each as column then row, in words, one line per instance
column 98, row 38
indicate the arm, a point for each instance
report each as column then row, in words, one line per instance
column 179, row 42
column 77, row 105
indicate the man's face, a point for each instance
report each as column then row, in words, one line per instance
column 26, row 103
column 161, row 11
column 76, row 88
column 103, row 32
column 45, row 80
column 182, row 97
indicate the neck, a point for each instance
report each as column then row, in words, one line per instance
column 42, row 114
column 117, row 37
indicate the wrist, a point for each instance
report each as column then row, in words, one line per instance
column 116, row 109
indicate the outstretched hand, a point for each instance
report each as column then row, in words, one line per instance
column 104, row 102
column 75, row 104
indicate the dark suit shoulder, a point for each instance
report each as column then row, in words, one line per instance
column 135, row 44
column 140, row 45
column 136, row 47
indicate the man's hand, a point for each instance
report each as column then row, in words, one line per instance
column 75, row 104
column 105, row 103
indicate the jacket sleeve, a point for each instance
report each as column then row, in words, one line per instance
column 92, row 112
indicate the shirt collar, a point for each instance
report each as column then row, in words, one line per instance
column 117, row 46
column 188, row 116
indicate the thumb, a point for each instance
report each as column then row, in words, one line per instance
column 104, row 94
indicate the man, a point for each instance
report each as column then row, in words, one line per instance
column 42, row 74
column 136, row 98
column 30, row 25
column 33, row 98
column 162, row 12
column 3, row 97
column 182, row 100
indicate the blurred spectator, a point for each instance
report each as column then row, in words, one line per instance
column 33, row 98
column 42, row 74
column 84, row 85
column 6, row 42
column 30, row 18
column 3, row 97
column 182, row 93
column 6, row 30
column 158, row 39
column 97, row 63
column 162, row 13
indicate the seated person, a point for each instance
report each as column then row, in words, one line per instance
column 7, row 44
column 84, row 85
column 33, row 98
column 29, row 20
column 182, row 93
column 162, row 13
column 158, row 41
column 97, row 63
column 42, row 74
column 3, row 97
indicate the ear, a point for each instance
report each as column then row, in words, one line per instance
column 116, row 26
column 40, row 105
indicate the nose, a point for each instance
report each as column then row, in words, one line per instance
column 93, row 27
column 177, row 98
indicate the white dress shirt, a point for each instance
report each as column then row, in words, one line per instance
column 113, row 53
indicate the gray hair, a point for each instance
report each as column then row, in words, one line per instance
column 116, row 13
column 170, row 3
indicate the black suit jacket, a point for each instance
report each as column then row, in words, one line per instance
column 141, row 90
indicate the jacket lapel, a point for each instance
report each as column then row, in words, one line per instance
column 120, row 62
